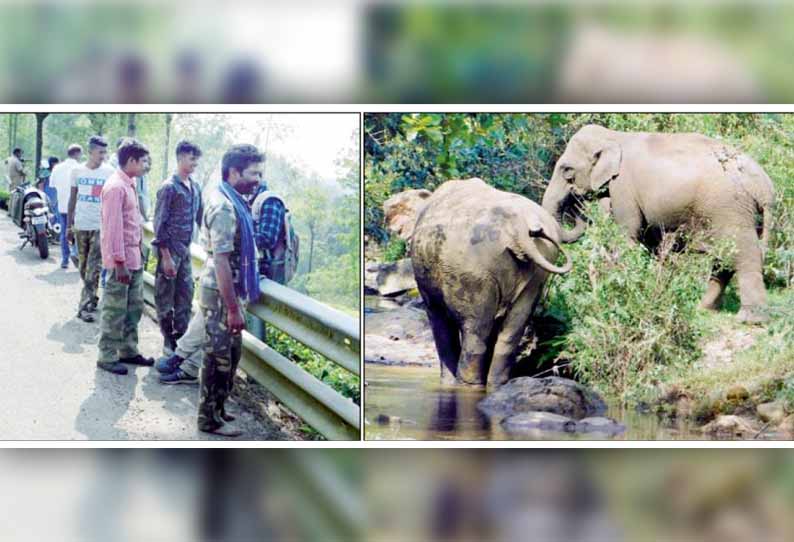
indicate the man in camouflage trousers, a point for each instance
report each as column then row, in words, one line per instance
column 176, row 214
column 230, row 280
column 122, row 298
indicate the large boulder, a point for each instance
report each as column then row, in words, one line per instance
column 400, row 211
column 773, row 412
column 551, row 394
column 389, row 279
column 399, row 337
column 730, row 427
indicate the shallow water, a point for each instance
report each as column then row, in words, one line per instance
column 429, row 411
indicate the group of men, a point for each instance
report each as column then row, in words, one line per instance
column 102, row 218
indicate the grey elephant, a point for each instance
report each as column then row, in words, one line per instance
column 481, row 257
column 651, row 182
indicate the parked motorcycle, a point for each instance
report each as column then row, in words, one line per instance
column 31, row 211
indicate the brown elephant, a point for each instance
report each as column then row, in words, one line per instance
column 481, row 257
column 651, row 182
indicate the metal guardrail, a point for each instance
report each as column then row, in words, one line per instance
column 323, row 329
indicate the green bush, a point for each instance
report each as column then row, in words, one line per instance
column 317, row 365
column 631, row 315
column 395, row 250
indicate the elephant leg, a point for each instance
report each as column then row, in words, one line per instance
column 472, row 367
column 752, row 291
column 505, row 348
column 716, row 287
column 446, row 335
column 627, row 214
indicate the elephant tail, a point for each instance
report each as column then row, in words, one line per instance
column 530, row 248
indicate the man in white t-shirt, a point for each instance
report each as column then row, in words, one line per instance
column 84, row 221
column 60, row 180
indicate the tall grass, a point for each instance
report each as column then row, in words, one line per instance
column 631, row 316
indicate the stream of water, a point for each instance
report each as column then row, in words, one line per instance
column 409, row 403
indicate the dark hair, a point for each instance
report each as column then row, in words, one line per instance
column 74, row 150
column 17, row 151
column 131, row 148
column 97, row 141
column 240, row 157
column 52, row 160
column 186, row 147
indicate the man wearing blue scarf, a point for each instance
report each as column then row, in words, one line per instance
column 230, row 281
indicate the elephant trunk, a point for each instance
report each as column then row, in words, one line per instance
column 554, row 204
column 531, row 249
column 571, row 236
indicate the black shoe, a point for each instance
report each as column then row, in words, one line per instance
column 112, row 367
column 179, row 377
column 86, row 316
column 137, row 360
column 65, row 265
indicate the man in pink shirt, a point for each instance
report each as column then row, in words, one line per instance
column 120, row 239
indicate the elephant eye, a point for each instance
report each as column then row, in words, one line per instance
column 568, row 173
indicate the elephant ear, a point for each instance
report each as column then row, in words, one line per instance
column 606, row 165
column 402, row 210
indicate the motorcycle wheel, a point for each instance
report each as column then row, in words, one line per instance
column 44, row 246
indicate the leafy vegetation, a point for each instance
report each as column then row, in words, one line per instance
column 631, row 315
column 630, row 318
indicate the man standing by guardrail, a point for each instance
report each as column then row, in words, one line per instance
column 230, row 280
column 177, row 212
column 122, row 298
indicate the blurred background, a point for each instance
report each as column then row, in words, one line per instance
column 379, row 494
column 371, row 52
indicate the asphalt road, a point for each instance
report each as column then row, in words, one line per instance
column 50, row 388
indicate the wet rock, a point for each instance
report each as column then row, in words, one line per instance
column 600, row 424
column 399, row 337
column 389, row 279
column 551, row 394
column 543, row 421
column 729, row 426
column 737, row 394
column 786, row 427
column 773, row 412
column 384, row 419
column 556, row 423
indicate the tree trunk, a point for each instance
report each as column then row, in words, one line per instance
column 168, row 118
column 131, row 127
column 39, row 139
column 311, row 247
column 13, row 118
